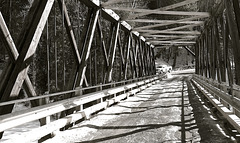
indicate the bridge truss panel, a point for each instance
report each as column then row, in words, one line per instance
column 217, row 49
column 118, row 55
column 218, row 60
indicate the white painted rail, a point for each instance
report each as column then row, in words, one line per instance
column 228, row 105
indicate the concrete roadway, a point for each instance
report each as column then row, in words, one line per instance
column 168, row 112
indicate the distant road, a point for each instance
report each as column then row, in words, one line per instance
column 181, row 72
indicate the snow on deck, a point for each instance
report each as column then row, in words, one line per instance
column 154, row 115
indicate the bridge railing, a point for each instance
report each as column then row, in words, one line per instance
column 82, row 89
column 75, row 105
column 218, row 94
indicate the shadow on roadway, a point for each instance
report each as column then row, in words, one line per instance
column 198, row 118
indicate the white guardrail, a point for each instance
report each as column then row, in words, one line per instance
column 228, row 105
column 114, row 95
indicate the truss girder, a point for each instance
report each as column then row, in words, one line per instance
column 133, row 51
column 217, row 49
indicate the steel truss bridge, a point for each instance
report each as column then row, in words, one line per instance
column 98, row 79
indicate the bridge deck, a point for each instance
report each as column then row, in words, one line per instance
column 169, row 111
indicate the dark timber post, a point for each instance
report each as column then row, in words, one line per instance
column 87, row 46
column 197, row 57
column 127, row 56
column 112, row 53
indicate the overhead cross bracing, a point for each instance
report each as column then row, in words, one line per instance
column 182, row 13
column 171, row 31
